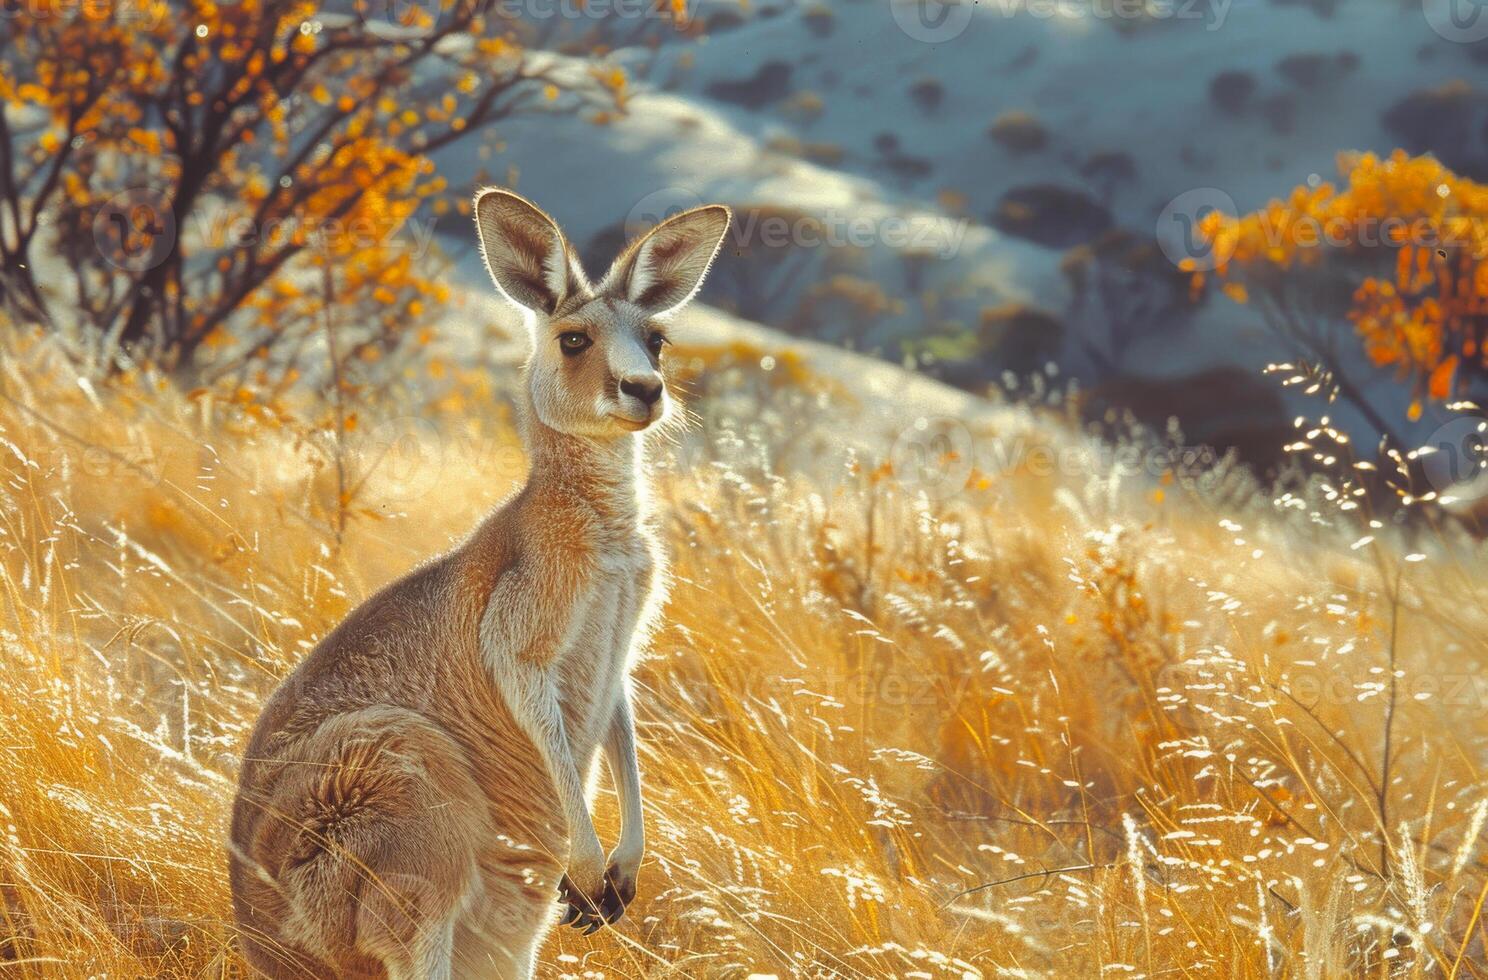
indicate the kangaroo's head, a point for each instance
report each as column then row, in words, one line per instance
column 595, row 368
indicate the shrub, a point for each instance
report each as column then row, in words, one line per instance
column 1231, row 91
column 725, row 19
column 1122, row 288
column 1280, row 111
column 1226, row 410
column 207, row 176
column 805, row 107
column 1446, row 121
column 927, row 93
column 770, row 83
column 827, row 154
column 1107, row 169
column 1051, row 215
column 1019, row 132
column 911, row 168
column 1402, row 246
column 1021, row 337
column 1307, row 69
column 820, row 20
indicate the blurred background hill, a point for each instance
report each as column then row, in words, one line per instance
column 977, row 191
column 994, row 184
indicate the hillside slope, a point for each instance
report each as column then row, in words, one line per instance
column 1049, row 719
column 873, row 144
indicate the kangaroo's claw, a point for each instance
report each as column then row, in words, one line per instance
column 618, row 893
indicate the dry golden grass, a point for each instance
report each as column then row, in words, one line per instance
column 1151, row 725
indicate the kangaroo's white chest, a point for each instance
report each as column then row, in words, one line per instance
column 595, row 657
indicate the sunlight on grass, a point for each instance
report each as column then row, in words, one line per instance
column 1148, row 723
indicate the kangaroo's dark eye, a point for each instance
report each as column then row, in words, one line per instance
column 656, row 342
column 573, row 342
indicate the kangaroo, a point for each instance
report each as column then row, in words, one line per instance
column 414, row 800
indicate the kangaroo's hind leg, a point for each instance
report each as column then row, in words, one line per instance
column 367, row 840
column 498, row 934
column 500, row 941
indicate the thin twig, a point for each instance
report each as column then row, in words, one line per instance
column 1337, row 739
column 1046, row 873
column 328, row 294
column 1384, row 783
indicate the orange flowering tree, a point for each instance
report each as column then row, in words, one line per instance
column 182, row 175
column 1399, row 254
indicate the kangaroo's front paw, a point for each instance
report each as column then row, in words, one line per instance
column 584, row 900
column 619, row 890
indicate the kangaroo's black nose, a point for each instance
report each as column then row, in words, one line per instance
column 647, row 391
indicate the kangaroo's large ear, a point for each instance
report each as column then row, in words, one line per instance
column 664, row 268
column 527, row 256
